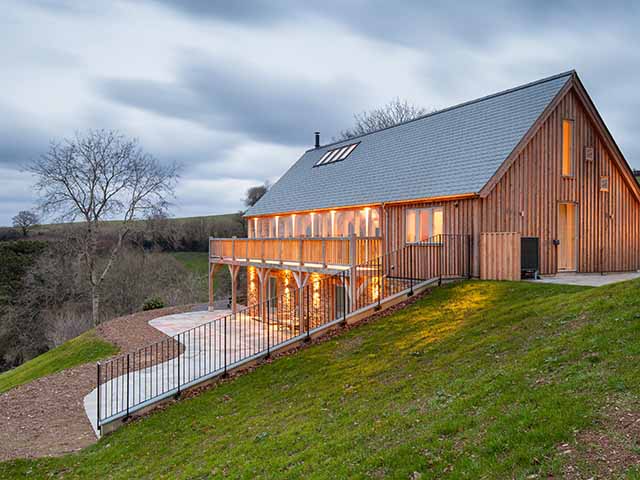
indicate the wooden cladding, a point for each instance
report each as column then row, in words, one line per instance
column 500, row 256
column 526, row 199
column 315, row 252
column 459, row 217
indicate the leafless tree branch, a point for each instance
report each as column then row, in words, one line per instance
column 98, row 176
column 393, row 113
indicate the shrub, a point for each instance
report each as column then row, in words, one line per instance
column 153, row 303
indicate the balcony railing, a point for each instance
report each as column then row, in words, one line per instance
column 311, row 252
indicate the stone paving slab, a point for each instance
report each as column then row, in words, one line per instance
column 589, row 279
column 220, row 341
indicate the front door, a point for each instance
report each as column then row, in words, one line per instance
column 568, row 237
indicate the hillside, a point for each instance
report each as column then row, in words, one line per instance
column 476, row 380
column 82, row 349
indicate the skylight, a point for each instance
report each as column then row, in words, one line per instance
column 336, row 154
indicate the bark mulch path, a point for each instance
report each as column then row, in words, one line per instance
column 46, row 417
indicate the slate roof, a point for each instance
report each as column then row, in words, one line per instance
column 448, row 152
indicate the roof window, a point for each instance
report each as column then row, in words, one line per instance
column 336, row 154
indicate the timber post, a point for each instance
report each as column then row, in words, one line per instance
column 352, row 271
column 233, row 271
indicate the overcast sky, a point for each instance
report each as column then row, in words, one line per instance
column 233, row 90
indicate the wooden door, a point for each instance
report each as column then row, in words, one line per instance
column 568, row 237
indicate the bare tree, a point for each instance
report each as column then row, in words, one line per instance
column 97, row 176
column 393, row 113
column 25, row 220
column 255, row 193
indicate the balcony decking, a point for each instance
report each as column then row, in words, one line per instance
column 303, row 253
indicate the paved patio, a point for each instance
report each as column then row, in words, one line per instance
column 204, row 354
column 589, row 279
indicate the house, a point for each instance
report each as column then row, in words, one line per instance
column 533, row 167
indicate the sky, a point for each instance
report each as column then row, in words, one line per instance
column 233, row 91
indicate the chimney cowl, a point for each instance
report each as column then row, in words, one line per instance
column 317, row 135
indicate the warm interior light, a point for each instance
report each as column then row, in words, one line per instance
column 315, row 281
column 333, row 223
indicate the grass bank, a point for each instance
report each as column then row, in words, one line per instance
column 477, row 380
column 85, row 348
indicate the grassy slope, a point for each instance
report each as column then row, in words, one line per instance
column 82, row 349
column 479, row 380
column 195, row 262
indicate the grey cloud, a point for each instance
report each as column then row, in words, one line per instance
column 416, row 23
column 246, row 11
column 20, row 140
column 220, row 96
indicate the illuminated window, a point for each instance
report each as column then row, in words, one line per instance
column 362, row 222
column 374, row 226
column 303, row 225
column 336, row 154
column 424, row 224
column 567, row 148
column 344, row 223
column 291, row 232
column 279, row 227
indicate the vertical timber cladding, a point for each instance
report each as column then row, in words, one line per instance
column 500, row 256
column 526, row 198
column 458, row 218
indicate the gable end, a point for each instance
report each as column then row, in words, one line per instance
column 573, row 85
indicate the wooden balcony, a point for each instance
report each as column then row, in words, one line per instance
column 311, row 254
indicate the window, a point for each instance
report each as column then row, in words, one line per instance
column 567, row 148
column 303, row 225
column 333, row 223
column 604, row 184
column 344, row 223
column 423, row 224
column 336, row 154
column 279, row 227
column 374, row 226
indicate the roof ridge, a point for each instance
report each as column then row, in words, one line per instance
column 453, row 107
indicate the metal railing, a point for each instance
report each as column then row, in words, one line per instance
column 138, row 379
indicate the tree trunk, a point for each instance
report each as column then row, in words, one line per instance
column 95, row 306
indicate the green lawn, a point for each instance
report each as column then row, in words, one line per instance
column 83, row 349
column 195, row 262
column 478, row 380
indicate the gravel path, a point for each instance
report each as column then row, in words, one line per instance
column 46, row 417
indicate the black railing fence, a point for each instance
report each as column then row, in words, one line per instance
column 134, row 380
